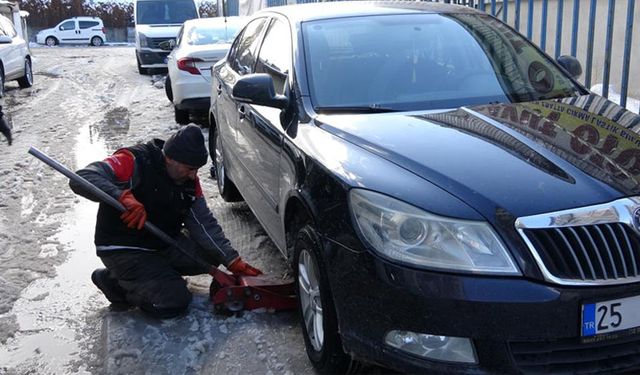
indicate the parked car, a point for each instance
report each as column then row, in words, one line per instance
column 200, row 44
column 76, row 30
column 451, row 199
column 15, row 57
column 157, row 21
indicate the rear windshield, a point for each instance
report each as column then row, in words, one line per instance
column 165, row 12
column 425, row 61
column 218, row 33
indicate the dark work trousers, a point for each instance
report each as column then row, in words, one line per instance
column 153, row 280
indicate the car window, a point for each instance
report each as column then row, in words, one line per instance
column 165, row 11
column 275, row 54
column 7, row 27
column 88, row 24
column 243, row 53
column 68, row 25
column 412, row 62
column 222, row 33
column 179, row 37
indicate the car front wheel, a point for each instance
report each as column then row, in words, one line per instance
column 27, row 79
column 319, row 319
column 228, row 191
column 51, row 41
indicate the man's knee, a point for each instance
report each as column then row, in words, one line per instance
column 165, row 299
column 169, row 307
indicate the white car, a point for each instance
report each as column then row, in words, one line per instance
column 15, row 57
column 76, row 30
column 200, row 44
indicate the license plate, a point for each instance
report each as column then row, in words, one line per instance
column 610, row 316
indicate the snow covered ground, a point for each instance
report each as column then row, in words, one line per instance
column 85, row 103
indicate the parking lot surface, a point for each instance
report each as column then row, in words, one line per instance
column 85, row 104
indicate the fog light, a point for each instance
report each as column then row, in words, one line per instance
column 441, row 348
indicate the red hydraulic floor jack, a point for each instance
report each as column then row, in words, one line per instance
column 232, row 293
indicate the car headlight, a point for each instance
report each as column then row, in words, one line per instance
column 143, row 40
column 407, row 234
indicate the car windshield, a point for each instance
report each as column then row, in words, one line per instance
column 220, row 33
column 165, row 11
column 425, row 61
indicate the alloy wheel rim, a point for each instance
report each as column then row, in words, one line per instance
column 50, row 42
column 96, row 42
column 310, row 302
column 219, row 164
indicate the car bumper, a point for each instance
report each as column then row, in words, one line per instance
column 152, row 59
column 191, row 92
column 515, row 324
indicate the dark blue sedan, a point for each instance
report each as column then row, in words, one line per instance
column 450, row 198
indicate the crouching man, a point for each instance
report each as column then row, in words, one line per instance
column 156, row 181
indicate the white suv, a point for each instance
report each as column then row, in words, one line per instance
column 15, row 59
column 76, row 30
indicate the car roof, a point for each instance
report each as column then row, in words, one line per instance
column 86, row 18
column 209, row 20
column 325, row 10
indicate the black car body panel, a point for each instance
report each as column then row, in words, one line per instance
column 494, row 163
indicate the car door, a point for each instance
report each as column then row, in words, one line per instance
column 86, row 30
column 12, row 60
column 260, row 134
column 67, row 32
column 241, row 60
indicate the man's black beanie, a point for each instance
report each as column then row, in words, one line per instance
column 187, row 147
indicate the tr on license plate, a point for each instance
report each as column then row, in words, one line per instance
column 610, row 316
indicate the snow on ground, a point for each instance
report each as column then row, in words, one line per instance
column 86, row 103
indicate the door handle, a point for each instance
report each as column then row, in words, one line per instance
column 242, row 112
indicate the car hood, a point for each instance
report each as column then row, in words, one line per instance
column 46, row 31
column 525, row 158
column 159, row 31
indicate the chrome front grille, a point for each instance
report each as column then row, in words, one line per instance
column 589, row 245
column 155, row 42
column 589, row 252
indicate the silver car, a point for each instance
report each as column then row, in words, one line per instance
column 15, row 59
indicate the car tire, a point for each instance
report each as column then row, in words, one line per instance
column 317, row 311
column 96, row 41
column 228, row 190
column 1, row 82
column 181, row 116
column 141, row 70
column 167, row 88
column 27, row 79
column 51, row 41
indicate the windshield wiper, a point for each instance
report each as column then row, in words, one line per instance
column 355, row 109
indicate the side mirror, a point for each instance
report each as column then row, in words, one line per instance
column 5, row 39
column 167, row 45
column 258, row 89
column 571, row 65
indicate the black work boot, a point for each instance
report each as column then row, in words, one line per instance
column 111, row 289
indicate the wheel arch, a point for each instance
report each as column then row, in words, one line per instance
column 297, row 214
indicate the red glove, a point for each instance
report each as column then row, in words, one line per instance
column 239, row 267
column 135, row 215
